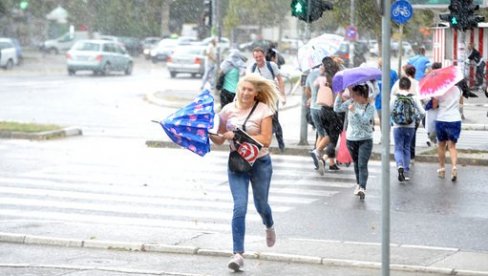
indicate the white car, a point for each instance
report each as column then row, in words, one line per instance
column 8, row 54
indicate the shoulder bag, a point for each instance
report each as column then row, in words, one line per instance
column 237, row 163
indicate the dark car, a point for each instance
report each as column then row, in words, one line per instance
column 132, row 45
column 261, row 43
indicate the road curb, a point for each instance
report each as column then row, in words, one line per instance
column 304, row 151
column 45, row 135
column 191, row 250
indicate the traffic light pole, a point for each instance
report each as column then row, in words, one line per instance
column 303, row 120
column 385, row 135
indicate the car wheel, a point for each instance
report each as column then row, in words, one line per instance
column 106, row 69
column 9, row 65
column 128, row 70
column 71, row 72
column 172, row 74
column 193, row 75
column 53, row 51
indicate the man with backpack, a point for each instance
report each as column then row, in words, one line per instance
column 270, row 70
column 406, row 109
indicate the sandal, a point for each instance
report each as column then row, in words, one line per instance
column 454, row 174
column 441, row 172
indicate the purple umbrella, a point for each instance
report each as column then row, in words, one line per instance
column 353, row 76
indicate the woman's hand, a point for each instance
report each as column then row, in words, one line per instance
column 229, row 135
column 351, row 107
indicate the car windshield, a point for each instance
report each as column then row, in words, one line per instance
column 188, row 51
column 87, row 46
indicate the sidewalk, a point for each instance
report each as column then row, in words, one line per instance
column 346, row 255
column 290, row 120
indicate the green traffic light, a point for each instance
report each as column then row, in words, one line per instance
column 24, row 4
column 454, row 21
column 298, row 8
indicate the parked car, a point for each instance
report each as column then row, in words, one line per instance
column 18, row 48
column 187, row 59
column 8, row 54
column 223, row 44
column 132, row 45
column 99, row 56
column 166, row 47
column 62, row 43
column 147, row 44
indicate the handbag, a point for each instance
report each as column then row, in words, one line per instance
column 343, row 155
column 237, row 163
column 220, row 81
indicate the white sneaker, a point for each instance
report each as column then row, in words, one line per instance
column 356, row 191
column 321, row 169
column 362, row 193
column 236, row 262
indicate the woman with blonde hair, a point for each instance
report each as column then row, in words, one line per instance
column 252, row 110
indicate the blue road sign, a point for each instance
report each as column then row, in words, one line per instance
column 401, row 11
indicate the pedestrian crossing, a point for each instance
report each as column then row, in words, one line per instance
column 174, row 197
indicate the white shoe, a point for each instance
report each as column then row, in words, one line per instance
column 321, row 169
column 362, row 193
column 356, row 191
column 236, row 262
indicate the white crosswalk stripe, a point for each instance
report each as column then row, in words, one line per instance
column 90, row 193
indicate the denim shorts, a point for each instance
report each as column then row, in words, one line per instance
column 448, row 131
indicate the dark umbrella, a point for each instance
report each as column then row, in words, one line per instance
column 188, row 127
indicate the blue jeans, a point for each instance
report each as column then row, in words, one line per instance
column 360, row 153
column 209, row 75
column 260, row 178
column 403, row 140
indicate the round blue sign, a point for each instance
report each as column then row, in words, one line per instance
column 401, row 11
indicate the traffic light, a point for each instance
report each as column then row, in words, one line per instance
column 472, row 19
column 300, row 9
column 454, row 15
column 461, row 16
column 24, row 4
column 207, row 12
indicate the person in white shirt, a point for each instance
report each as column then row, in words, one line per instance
column 210, row 64
column 448, row 128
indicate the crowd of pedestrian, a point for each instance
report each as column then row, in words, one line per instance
column 350, row 112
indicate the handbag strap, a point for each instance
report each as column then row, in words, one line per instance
column 250, row 113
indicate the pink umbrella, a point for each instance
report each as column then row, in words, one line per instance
column 439, row 81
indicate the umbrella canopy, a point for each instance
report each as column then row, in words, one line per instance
column 312, row 53
column 188, row 127
column 353, row 76
column 439, row 81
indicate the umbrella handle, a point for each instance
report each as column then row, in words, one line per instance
column 154, row 121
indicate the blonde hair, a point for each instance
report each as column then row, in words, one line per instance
column 267, row 91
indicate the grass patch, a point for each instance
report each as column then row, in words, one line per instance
column 27, row 127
